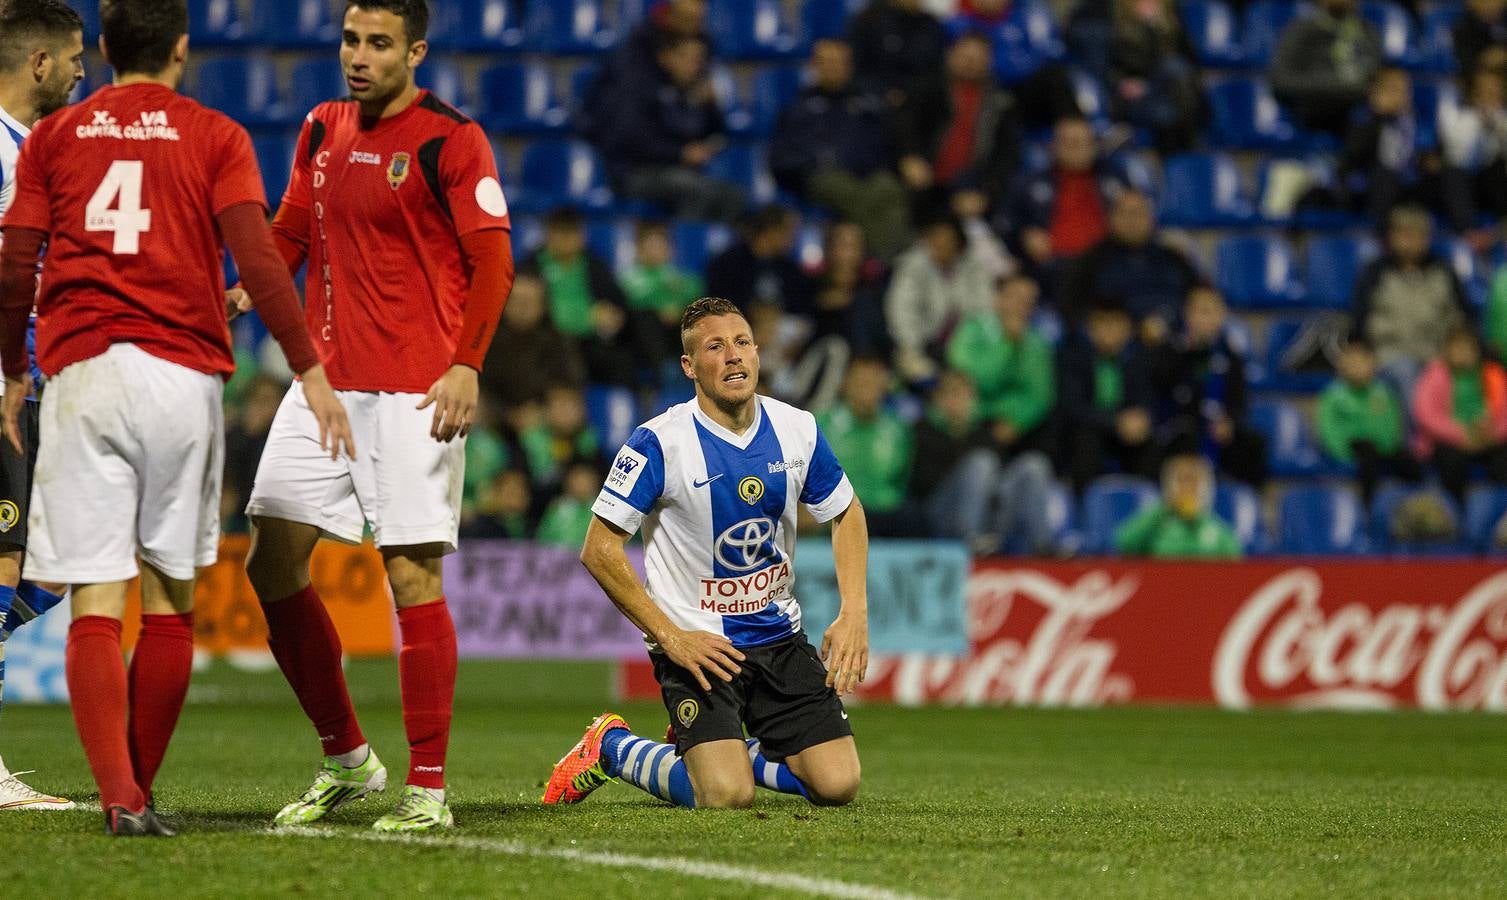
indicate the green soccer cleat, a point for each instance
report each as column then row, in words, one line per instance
column 334, row 787
column 419, row 810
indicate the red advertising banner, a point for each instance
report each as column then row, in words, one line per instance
column 1335, row 634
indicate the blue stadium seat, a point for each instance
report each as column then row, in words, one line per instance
column 753, row 29
column 443, row 77
column 737, row 115
column 1204, row 190
column 1107, row 503
column 519, row 98
column 1394, row 27
column 611, row 240
column 1256, row 272
column 1290, row 447
column 559, row 173
column 1280, row 337
column 244, row 88
column 1474, row 275
column 527, row 234
column 314, row 81
column 746, row 165
column 215, row 23
column 292, row 23
column 612, row 413
column 1239, row 506
column 1334, row 262
column 1484, row 508
column 482, row 25
column 274, row 156
column 1384, row 505
column 1214, row 32
column 89, row 12
column 1020, row 49
column 828, row 18
column 697, row 242
column 774, row 88
column 810, row 245
column 1248, row 117
column 1321, row 521
column 1093, row 102
column 1436, row 38
column 571, row 26
column 1059, row 513
column 1264, row 22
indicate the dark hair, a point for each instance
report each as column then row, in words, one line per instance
column 766, row 218
column 22, row 22
column 951, row 222
column 669, row 41
column 563, row 218
column 1103, row 305
column 414, row 13
column 647, row 227
column 704, row 308
column 971, row 34
column 140, row 34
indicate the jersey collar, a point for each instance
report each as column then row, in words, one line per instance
column 10, row 122
column 741, row 441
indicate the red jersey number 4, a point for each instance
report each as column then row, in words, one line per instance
column 116, row 206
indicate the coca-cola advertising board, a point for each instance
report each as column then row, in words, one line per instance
column 1334, row 634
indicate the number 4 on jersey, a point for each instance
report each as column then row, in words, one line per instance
column 121, row 189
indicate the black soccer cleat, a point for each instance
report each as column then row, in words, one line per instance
column 121, row 822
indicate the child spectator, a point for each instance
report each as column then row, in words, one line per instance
column 658, row 291
column 1460, row 414
column 568, row 516
column 1182, row 525
column 560, row 438
column 1011, row 364
column 1360, row 422
column 874, row 446
column 502, row 508
column 1106, row 401
column 1473, row 136
column 1382, row 163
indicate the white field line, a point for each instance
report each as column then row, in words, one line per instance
column 678, row 865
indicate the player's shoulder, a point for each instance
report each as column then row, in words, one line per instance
column 783, row 415
column 203, row 116
column 672, row 424
column 333, row 110
column 441, row 114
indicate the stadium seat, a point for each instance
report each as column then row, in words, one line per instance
column 1334, row 262
column 274, row 156
column 314, row 81
column 1246, row 116
column 1059, row 512
column 89, row 12
column 570, row 26
column 527, row 234
column 810, row 245
column 1321, row 521
column 1384, row 506
column 1264, row 22
column 1021, row 48
column 612, row 413
column 1290, row 447
column 611, row 240
column 1093, row 103
column 481, row 25
column 1107, row 503
column 1204, row 190
column 1214, row 32
column 1240, row 507
column 1436, row 38
column 774, row 88
column 244, row 88
column 828, row 18
column 215, row 23
column 558, row 173
column 1394, row 27
column 443, row 77
column 746, row 165
column 697, row 242
column 1281, row 371
column 519, row 98
column 1474, row 275
column 753, row 29
column 1257, row 272
column 292, row 23
column 1484, row 508
column 737, row 115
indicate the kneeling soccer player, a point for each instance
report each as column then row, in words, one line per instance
column 715, row 483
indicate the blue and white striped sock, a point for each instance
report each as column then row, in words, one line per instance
column 7, row 599
column 648, row 765
column 30, row 602
column 773, row 775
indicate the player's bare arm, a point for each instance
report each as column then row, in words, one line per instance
column 845, row 644
column 18, row 283
column 698, row 652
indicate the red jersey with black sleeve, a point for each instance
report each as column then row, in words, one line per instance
column 126, row 186
column 381, row 208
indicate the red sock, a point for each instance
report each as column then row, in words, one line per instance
column 426, row 671
column 160, row 670
column 304, row 642
column 97, row 684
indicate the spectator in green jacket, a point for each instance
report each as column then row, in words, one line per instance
column 874, row 445
column 1012, row 366
column 569, row 515
column 655, row 286
column 1360, row 422
column 1182, row 525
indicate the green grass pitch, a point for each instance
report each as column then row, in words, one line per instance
column 955, row 803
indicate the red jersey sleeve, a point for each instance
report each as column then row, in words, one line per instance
column 468, row 173
column 30, row 206
column 299, row 191
column 239, row 178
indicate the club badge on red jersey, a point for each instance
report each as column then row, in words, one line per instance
column 397, row 170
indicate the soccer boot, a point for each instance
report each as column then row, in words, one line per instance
column 121, row 822
column 334, row 787
column 580, row 771
column 17, row 794
column 419, row 810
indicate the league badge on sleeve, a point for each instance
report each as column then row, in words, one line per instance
column 625, row 471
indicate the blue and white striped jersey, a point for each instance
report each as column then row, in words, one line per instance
column 719, row 514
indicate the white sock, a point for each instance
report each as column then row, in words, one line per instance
column 354, row 757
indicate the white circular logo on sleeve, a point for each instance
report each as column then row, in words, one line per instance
column 489, row 197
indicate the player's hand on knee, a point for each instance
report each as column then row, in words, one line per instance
column 845, row 650
column 702, row 653
column 16, row 392
column 454, row 398
column 334, row 427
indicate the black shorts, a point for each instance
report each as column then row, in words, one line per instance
column 781, row 695
column 15, row 479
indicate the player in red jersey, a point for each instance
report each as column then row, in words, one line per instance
column 395, row 204
column 133, row 192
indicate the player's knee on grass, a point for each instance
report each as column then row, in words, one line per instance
column 728, row 793
column 720, row 775
column 833, row 786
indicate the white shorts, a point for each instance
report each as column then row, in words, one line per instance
column 135, row 449
column 403, row 482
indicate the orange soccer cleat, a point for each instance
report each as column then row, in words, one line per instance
column 580, row 771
